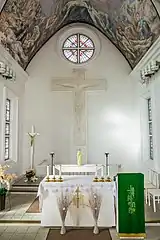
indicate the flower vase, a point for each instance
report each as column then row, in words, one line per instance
column 96, row 229
column 63, row 229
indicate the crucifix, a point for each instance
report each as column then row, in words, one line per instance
column 79, row 85
column 32, row 136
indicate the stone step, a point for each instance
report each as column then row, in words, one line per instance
column 25, row 187
column 24, row 190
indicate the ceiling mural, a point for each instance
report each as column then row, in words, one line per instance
column 132, row 25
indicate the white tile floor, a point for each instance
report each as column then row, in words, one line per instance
column 36, row 232
column 19, row 213
column 25, row 232
column 32, row 231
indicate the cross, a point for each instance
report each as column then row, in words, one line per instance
column 32, row 136
column 79, row 85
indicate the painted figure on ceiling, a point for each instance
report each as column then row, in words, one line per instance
column 26, row 25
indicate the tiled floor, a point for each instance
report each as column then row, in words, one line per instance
column 19, row 206
column 35, row 232
column 25, row 232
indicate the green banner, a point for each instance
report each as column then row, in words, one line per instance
column 131, row 217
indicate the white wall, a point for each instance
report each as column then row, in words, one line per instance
column 145, row 91
column 16, row 92
column 113, row 116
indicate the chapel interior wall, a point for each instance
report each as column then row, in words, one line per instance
column 113, row 116
column 15, row 92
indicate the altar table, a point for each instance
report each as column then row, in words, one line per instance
column 81, row 216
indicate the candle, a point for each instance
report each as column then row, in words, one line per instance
column 47, row 171
column 60, row 171
column 54, row 172
column 96, row 171
column 102, row 172
column 108, row 169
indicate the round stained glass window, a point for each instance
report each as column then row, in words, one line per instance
column 78, row 48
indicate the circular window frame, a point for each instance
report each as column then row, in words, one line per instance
column 79, row 49
column 72, row 29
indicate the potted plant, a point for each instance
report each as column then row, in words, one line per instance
column 5, row 183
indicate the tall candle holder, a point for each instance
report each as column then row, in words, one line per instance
column 52, row 161
column 107, row 163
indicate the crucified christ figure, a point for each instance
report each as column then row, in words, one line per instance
column 79, row 86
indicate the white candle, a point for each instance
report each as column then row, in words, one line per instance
column 96, row 171
column 54, row 172
column 108, row 170
column 47, row 171
column 60, row 171
column 102, row 172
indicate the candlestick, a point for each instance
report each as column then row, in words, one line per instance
column 107, row 163
column 52, row 162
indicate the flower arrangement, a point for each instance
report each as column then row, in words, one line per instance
column 5, row 179
column 30, row 176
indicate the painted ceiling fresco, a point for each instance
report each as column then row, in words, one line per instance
column 132, row 25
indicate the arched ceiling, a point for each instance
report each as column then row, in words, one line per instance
column 25, row 25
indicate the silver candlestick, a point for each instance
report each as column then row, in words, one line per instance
column 52, row 161
column 107, row 163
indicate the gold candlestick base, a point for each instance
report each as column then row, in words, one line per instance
column 95, row 179
column 101, row 179
column 108, row 179
column 47, row 179
column 53, row 179
column 60, row 179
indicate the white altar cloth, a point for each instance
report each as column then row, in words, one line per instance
column 81, row 216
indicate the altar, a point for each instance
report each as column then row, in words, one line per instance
column 79, row 198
